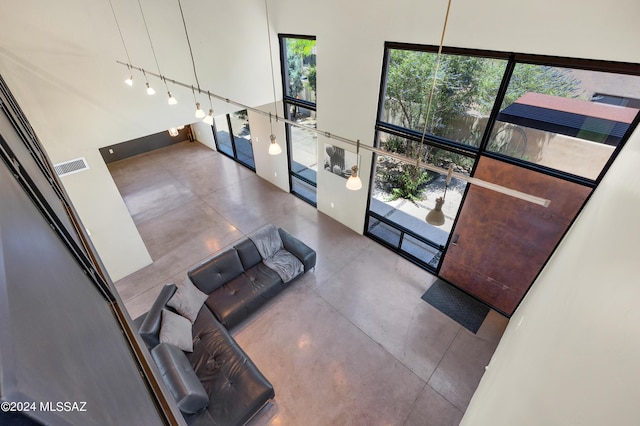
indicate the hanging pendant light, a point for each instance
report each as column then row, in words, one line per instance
column 354, row 183
column 436, row 216
column 171, row 100
column 209, row 118
column 150, row 90
column 129, row 80
column 274, row 147
column 199, row 111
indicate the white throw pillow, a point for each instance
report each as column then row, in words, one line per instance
column 176, row 330
column 187, row 300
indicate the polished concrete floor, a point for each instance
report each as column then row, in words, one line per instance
column 350, row 343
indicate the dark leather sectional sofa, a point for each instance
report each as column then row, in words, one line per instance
column 237, row 282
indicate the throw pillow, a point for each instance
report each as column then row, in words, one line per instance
column 187, row 300
column 176, row 330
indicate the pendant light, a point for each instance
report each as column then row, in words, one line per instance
column 209, row 118
column 129, row 80
column 436, row 216
column 199, row 111
column 150, row 90
column 354, row 183
column 171, row 100
column 274, row 147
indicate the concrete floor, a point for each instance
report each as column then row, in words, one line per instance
column 350, row 343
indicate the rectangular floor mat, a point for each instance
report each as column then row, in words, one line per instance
column 457, row 305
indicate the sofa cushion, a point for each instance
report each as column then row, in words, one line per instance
column 150, row 328
column 187, row 300
column 236, row 388
column 179, row 376
column 267, row 241
column 239, row 298
column 216, row 271
column 176, row 330
column 248, row 252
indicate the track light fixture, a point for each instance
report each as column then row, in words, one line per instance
column 478, row 182
column 150, row 90
column 171, row 100
column 354, row 182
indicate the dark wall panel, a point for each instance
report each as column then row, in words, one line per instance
column 59, row 340
column 141, row 145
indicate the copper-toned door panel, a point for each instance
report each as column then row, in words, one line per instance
column 500, row 242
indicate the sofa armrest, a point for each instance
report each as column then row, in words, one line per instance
column 149, row 326
column 180, row 378
column 299, row 249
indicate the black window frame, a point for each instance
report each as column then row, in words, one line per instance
column 290, row 101
column 232, row 138
column 477, row 152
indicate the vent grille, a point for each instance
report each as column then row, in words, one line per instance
column 70, row 167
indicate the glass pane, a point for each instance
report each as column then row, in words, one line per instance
column 300, row 73
column 405, row 195
column 565, row 119
column 304, row 143
column 383, row 231
column 464, row 93
column 223, row 138
column 304, row 190
column 420, row 250
column 242, row 137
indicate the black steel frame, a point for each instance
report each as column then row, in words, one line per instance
column 291, row 101
column 481, row 150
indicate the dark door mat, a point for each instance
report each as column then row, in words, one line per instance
column 457, row 305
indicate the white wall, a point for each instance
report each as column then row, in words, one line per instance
column 273, row 168
column 203, row 134
column 59, row 60
column 573, row 357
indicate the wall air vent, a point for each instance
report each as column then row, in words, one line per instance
column 70, row 167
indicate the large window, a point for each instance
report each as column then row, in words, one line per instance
column 461, row 101
column 298, row 57
column 554, row 116
column 557, row 117
column 233, row 137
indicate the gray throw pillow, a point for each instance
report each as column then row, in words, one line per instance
column 187, row 300
column 176, row 330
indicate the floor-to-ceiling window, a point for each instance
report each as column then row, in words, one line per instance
column 545, row 126
column 233, row 137
column 298, row 59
